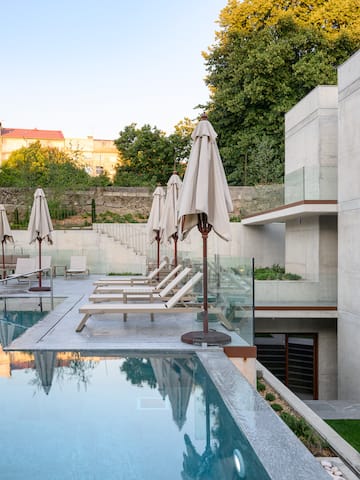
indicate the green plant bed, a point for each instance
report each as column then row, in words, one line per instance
column 348, row 429
column 276, row 272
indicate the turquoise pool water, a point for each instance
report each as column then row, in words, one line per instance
column 71, row 415
column 18, row 314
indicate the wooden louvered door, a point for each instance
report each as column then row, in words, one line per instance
column 292, row 359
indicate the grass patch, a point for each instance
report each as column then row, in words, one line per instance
column 348, row 429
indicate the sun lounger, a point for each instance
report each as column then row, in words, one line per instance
column 174, row 305
column 77, row 266
column 26, row 271
column 119, row 287
column 121, row 294
column 133, row 280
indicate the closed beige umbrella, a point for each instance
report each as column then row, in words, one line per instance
column 169, row 223
column 5, row 234
column 40, row 226
column 205, row 202
column 45, row 364
column 154, row 221
column 175, row 380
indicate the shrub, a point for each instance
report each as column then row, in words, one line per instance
column 276, row 272
column 270, row 397
column 260, row 386
column 277, row 407
column 310, row 438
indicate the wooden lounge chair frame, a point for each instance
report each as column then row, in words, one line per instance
column 25, row 271
column 119, row 287
column 138, row 280
column 174, row 305
column 78, row 266
column 120, row 294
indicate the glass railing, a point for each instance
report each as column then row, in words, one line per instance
column 311, row 183
column 230, row 293
column 322, row 292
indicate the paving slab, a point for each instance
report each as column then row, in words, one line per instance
column 335, row 409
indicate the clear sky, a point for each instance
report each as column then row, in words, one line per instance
column 91, row 67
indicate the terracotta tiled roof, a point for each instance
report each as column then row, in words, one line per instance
column 33, row 133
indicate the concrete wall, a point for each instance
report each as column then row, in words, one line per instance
column 302, row 247
column 311, row 130
column 349, row 229
column 103, row 254
column 106, row 254
column 264, row 243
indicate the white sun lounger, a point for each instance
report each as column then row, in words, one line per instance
column 25, row 271
column 78, row 266
column 132, row 280
column 119, row 287
column 121, row 294
column 174, row 305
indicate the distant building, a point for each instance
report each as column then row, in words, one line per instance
column 96, row 156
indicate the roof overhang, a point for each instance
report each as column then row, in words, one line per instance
column 292, row 211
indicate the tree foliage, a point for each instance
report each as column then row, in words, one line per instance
column 35, row 165
column 332, row 17
column 149, row 156
column 268, row 56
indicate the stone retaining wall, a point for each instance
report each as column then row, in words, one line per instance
column 136, row 200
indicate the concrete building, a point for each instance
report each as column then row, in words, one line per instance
column 96, row 156
column 296, row 320
column 349, row 229
column 309, row 330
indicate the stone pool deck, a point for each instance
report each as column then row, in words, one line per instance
column 105, row 331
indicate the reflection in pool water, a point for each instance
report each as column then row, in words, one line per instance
column 67, row 415
column 18, row 314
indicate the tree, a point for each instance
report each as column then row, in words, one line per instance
column 47, row 166
column 148, row 155
column 268, row 56
column 331, row 17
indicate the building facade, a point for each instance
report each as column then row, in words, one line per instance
column 95, row 155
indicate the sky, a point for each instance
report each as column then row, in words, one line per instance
column 90, row 67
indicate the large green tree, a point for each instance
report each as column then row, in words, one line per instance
column 267, row 57
column 149, row 156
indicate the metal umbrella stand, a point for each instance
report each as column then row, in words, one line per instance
column 205, row 202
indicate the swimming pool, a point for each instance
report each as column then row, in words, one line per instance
column 76, row 415
column 69, row 415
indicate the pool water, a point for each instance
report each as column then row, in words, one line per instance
column 19, row 314
column 69, row 415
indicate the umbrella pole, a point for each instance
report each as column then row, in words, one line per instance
column 205, row 233
column 39, row 240
column 40, row 288
column 3, row 258
column 175, row 238
column 158, row 252
column 206, row 337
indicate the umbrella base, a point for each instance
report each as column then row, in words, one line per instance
column 210, row 338
column 39, row 289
